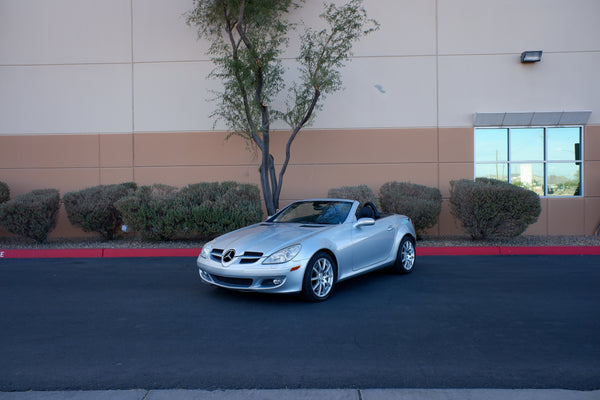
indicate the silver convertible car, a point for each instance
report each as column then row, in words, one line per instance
column 308, row 247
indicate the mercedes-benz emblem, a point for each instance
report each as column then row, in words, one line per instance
column 228, row 256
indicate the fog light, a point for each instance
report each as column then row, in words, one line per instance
column 277, row 282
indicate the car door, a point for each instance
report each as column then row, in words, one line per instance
column 372, row 244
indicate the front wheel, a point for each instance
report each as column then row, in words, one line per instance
column 405, row 260
column 319, row 278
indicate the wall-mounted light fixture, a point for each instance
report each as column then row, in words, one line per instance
column 531, row 56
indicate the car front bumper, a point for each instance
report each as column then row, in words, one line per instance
column 275, row 278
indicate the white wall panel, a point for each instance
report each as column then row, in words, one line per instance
column 389, row 92
column 160, row 32
column 512, row 26
column 65, row 99
column 382, row 93
column 64, row 31
column 173, row 96
column 407, row 27
column 86, row 84
column 560, row 82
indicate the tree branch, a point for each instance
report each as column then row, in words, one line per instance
column 235, row 56
column 288, row 145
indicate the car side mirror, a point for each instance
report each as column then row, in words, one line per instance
column 364, row 222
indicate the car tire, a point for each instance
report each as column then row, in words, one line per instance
column 405, row 260
column 319, row 277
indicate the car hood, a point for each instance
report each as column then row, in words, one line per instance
column 268, row 237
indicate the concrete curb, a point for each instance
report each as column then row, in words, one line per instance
column 193, row 252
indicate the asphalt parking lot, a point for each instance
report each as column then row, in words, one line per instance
column 501, row 322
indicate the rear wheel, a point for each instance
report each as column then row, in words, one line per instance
column 405, row 260
column 319, row 277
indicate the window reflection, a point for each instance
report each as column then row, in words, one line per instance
column 564, row 179
column 493, row 171
column 564, row 144
column 528, row 176
column 527, row 144
column 491, row 145
column 547, row 161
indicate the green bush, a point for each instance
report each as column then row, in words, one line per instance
column 4, row 193
column 161, row 212
column 361, row 193
column 489, row 207
column 93, row 209
column 216, row 208
column 155, row 212
column 422, row 204
column 32, row 214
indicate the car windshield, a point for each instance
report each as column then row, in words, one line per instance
column 315, row 212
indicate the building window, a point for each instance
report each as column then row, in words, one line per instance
column 547, row 160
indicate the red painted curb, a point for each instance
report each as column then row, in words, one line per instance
column 50, row 253
column 150, row 252
column 552, row 250
column 191, row 252
column 510, row 251
column 458, row 251
column 97, row 253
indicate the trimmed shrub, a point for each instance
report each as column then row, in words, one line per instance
column 32, row 214
column 161, row 212
column 421, row 203
column 361, row 193
column 155, row 212
column 4, row 192
column 216, row 208
column 490, row 208
column 93, row 209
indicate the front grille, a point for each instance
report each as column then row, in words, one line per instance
column 242, row 282
column 217, row 254
column 249, row 257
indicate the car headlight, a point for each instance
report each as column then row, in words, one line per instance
column 283, row 255
column 206, row 249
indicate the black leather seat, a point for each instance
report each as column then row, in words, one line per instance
column 366, row 212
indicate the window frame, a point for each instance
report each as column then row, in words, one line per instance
column 545, row 162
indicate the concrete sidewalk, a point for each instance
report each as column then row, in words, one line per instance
column 310, row 394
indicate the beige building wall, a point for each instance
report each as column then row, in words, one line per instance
column 427, row 156
column 82, row 105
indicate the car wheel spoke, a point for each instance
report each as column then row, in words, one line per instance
column 408, row 255
column 321, row 277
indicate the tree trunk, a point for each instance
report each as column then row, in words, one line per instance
column 267, row 173
column 267, row 188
